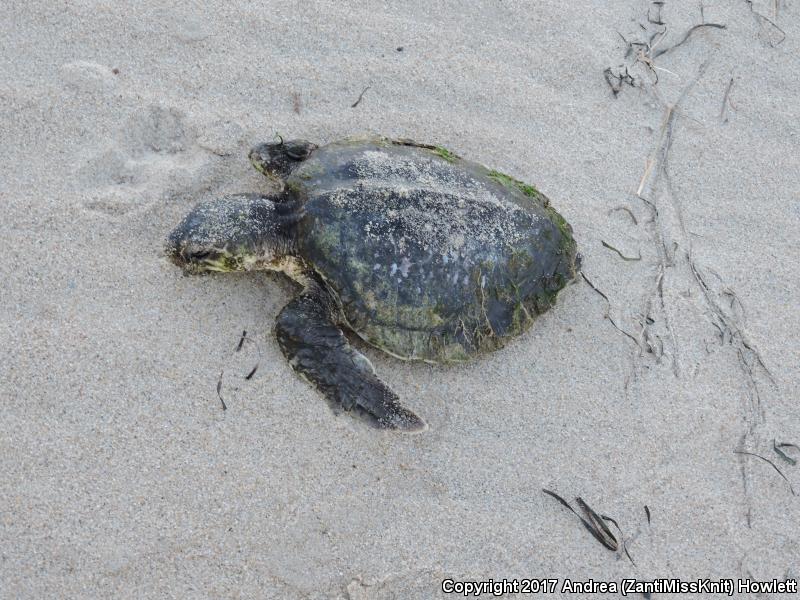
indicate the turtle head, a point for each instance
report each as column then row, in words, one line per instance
column 240, row 232
column 278, row 159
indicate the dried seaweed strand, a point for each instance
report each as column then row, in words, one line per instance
column 596, row 528
column 777, row 447
column 627, row 210
column 686, row 36
column 621, row 537
column 219, row 390
column 772, row 464
column 621, row 255
column 601, row 530
column 607, row 315
column 723, row 111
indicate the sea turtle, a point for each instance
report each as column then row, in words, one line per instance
column 420, row 253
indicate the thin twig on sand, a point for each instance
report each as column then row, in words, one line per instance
column 360, row 97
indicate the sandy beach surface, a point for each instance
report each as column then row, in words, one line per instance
column 679, row 170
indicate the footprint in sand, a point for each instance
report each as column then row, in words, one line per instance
column 151, row 153
column 156, row 129
column 157, row 155
column 88, row 76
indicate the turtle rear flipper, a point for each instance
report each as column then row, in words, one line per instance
column 318, row 350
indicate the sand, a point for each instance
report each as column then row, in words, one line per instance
column 122, row 477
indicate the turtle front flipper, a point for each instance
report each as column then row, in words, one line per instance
column 319, row 350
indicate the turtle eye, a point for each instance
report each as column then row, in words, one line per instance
column 298, row 149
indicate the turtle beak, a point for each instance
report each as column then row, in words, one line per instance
column 179, row 252
column 172, row 249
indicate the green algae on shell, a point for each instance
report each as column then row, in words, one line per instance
column 400, row 235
